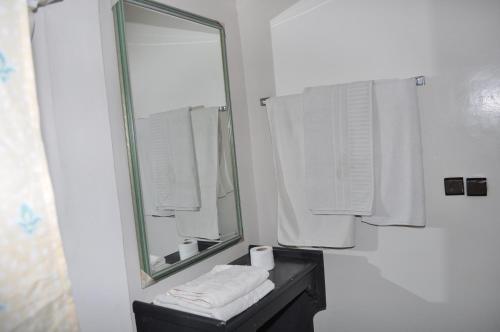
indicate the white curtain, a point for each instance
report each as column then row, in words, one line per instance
column 34, row 287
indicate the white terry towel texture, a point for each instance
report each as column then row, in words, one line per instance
column 224, row 312
column 297, row 225
column 143, row 138
column 222, row 285
column 225, row 172
column 204, row 222
column 173, row 162
column 399, row 185
column 338, row 144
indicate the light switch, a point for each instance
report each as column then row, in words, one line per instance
column 476, row 187
column 454, row 186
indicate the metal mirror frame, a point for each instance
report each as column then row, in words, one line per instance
column 127, row 105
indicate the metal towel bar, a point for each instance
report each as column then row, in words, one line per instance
column 419, row 80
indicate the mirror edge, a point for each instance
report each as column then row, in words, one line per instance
column 133, row 163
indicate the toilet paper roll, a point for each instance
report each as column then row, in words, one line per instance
column 262, row 257
column 188, row 248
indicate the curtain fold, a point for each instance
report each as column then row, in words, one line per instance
column 34, row 287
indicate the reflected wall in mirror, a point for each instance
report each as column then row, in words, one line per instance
column 179, row 134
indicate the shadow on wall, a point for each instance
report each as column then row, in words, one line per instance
column 409, row 289
column 351, row 298
column 369, row 234
column 400, row 253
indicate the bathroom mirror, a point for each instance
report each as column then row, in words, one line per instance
column 178, row 124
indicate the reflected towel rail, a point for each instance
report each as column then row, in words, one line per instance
column 221, row 109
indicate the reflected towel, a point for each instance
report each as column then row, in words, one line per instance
column 399, row 184
column 297, row 226
column 143, row 138
column 338, row 145
column 225, row 174
column 173, row 162
column 204, row 222
column 224, row 312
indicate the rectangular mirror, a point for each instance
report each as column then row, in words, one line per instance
column 177, row 111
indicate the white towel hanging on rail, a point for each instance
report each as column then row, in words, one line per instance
column 204, row 222
column 225, row 171
column 338, row 144
column 173, row 161
column 399, row 182
column 143, row 139
column 297, row 226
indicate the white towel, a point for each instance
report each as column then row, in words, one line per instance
column 225, row 312
column 172, row 154
column 222, row 285
column 338, row 145
column 225, row 171
column 399, row 186
column 143, row 142
column 297, row 226
column 203, row 223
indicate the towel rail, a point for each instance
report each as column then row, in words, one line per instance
column 419, row 80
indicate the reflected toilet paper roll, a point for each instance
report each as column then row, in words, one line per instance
column 188, row 248
column 262, row 257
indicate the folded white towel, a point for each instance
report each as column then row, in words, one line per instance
column 204, row 222
column 222, row 285
column 297, row 226
column 172, row 154
column 225, row 312
column 399, row 184
column 338, row 145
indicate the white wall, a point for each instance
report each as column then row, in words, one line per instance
column 441, row 278
column 75, row 123
column 167, row 74
column 83, row 130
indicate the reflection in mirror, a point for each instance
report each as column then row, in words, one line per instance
column 180, row 135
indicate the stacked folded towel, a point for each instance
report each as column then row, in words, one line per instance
column 222, row 293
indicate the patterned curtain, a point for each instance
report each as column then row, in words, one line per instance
column 34, row 287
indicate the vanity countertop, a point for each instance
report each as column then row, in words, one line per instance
column 299, row 293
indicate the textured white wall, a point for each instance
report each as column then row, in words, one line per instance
column 441, row 278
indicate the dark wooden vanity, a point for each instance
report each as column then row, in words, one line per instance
column 299, row 294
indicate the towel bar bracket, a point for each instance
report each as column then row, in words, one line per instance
column 420, row 80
